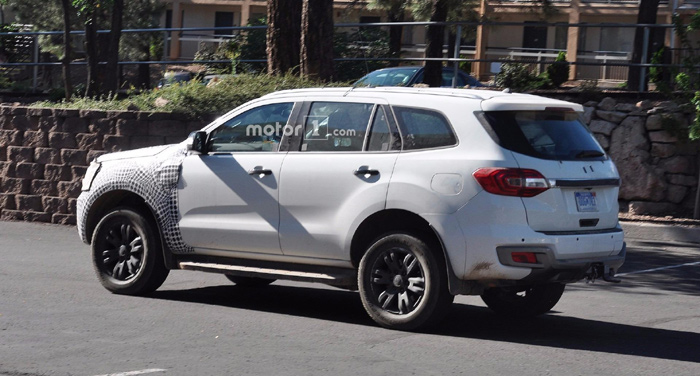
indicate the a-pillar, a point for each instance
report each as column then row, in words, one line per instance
column 481, row 69
column 572, row 38
column 175, row 35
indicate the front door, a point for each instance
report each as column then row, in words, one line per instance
column 228, row 198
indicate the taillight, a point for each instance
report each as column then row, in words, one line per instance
column 511, row 181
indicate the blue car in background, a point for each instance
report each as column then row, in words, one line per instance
column 409, row 76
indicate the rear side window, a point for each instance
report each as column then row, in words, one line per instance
column 544, row 134
column 336, row 126
column 424, row 129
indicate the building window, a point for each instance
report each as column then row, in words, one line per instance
column 561, row 37
column 223, row 19
column 534, row 36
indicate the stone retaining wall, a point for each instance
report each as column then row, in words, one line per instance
column 658, row 171
column 44, row 153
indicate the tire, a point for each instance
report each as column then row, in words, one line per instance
column 249, row 281
column 523, row 302
column 127, row 255
column 403, row 283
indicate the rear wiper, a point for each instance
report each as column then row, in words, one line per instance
column 589, row 154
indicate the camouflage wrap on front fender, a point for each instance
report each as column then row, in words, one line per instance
column 154, row 178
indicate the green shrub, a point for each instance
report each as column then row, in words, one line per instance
column 193, row 98
column 517, row 77
column 229, row 50
column 558, row 72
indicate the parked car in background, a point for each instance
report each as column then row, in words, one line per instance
column 409, row 76
column 411, row 195
column 172, row 78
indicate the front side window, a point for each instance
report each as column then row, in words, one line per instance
column 424, row 129
column 336, row 126
column 258, row 129
column 552, row 135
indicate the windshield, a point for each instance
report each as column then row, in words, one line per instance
column 544, row 134
column 388, row 77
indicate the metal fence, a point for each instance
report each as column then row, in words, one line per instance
column 609, row 65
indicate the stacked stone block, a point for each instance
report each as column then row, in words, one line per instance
column 658, row 171
column 44, row 153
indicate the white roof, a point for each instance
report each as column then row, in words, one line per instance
column 490, row 100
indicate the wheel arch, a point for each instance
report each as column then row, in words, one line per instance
column 395, row 220
column 124, row 198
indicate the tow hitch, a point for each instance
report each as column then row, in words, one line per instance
column 599, row 271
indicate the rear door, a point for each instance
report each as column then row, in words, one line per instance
column 584, row 181
column 336, row 175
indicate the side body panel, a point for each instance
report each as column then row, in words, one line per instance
column 224, row 205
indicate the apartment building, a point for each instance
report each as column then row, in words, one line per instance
column 594, row 44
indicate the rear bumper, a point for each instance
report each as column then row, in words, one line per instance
column 550, row 269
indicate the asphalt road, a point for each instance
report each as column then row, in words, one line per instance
column 55, row 319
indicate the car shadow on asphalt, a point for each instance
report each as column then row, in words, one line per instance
column 464, row 321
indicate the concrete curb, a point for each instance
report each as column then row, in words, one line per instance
column 659, row 232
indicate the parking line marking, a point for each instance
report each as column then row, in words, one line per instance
column 139, row 372
column 661, row 268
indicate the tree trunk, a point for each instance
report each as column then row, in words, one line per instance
column 433, row 48
column 92, row 84
column 111, row 82
column 67, row 49
column 283, row 35
column 395, row 35
column 647, row 15
column 317, row 39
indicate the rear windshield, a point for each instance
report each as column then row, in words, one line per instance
column 544, row 134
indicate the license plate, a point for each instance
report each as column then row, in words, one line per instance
column 586, row 201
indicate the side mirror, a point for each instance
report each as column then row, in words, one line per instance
column 197, row 141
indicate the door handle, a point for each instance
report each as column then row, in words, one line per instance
column 364, row 171
column 260, row 172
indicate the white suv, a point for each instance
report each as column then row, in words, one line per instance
column 410, row 195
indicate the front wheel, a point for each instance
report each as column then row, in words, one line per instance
column 127, row 255
column 403, row 283
column 523, row 301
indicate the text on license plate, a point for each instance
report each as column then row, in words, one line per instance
column 586, row 201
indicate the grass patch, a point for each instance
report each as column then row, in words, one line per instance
column 193, row 98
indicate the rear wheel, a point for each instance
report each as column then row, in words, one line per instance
column 127, row 255
column 403, row 283
column 249, row 281
column 523, row 301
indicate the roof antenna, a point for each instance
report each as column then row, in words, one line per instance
column 507, row 90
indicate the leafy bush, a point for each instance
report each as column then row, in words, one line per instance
column 195, row 99
column 254, row 47
column 517, row 77
column 689, row 79
column 558, row 72
column 660, row 75
column 229, row 50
